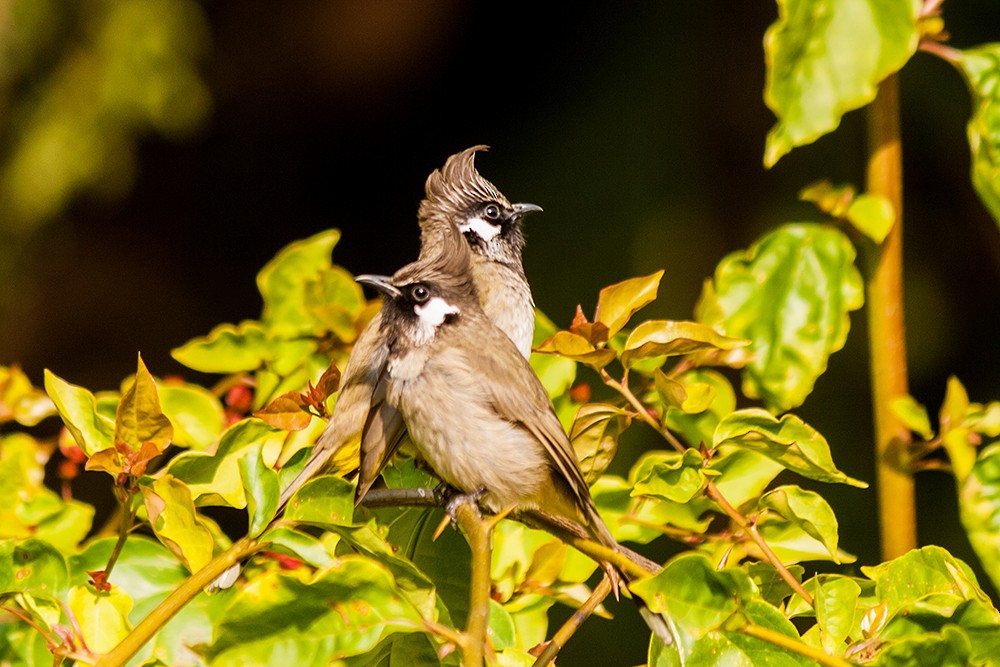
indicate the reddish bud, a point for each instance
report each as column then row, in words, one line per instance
column 580, row 393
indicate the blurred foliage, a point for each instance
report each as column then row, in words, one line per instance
column 755, row 581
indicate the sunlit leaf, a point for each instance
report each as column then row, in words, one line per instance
column 288, row 412
column 140, row 418
column 872, row 215
column 287, row 280
column 950, row 648
column 577, row 348
column 836, row 599
column 616, row 303
column 979, row 509
column 594, row 436
column 260, row 485
column 954, row 432
column 32, row 566
column 78, row 410
column 707, row 389
column 829, row 198
column 175, row 521
column 195, row 413
column 556, row 373
column 658, row 338
column 913, row 414
column 806, row 509
column 323, row 501
column 824, row 59
column 790, row 294
column 501, row 627
column 227, row 348
column 345, row 609
column 671, row 476
column 20, row 400
column 788, row 441
column 102, row 617
column 335, row 301
column 981, row 67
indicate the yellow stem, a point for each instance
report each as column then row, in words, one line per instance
column 574, row 623
column 794, row 645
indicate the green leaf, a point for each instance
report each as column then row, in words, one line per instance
column 617, row 303
column 594, row 435
column 175, row 521
column 981, row 67
column 299, row 544
column 790, row 294
column 501, row 628
column 824, row 59
column 32, row 566
column 335, row 301
column 227, row 348
column 691, row 592
column 979, row 509
column 346, row 609
column 670, row 476
column 951, row 648
column 260, row 485
column 741, row 474
column 836, row 604
column 571, row 346
column 214, row 479
column 659, row 338
column 930, row 576
column 323, row 501
column 913, row 415
column 102, row 617
column 140, row 418
column 78, row 409
column 700, row 385
column 196, row 414
column 872, row 215
column 788, row 441
column 807, row 510
column 288, row 283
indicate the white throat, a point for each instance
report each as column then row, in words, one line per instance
column 430, row 316
column 483, row 229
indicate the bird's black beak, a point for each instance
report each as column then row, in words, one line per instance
column 381, row 283
column 521, row 210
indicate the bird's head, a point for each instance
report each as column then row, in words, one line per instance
column 458, row 195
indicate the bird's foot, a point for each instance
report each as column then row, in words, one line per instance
column 452, row 501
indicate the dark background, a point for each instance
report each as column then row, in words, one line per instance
column 639, row 127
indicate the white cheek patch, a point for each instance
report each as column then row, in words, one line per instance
column 483, row 229
column 434, row 312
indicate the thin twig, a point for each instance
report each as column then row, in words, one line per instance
column 942, row 51
column 123, row 529
column 574, row 623
column 642, row 412
column 751, row 530
column 477, row 531
column 793, row 645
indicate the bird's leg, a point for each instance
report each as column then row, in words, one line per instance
column 452, row 501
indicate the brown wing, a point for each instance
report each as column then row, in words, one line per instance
column 384, row 430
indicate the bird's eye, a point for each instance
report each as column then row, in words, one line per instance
column 420, row 293
column 492, row 212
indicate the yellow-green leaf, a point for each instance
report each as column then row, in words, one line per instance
column 594, row 435
column 981, row 67
column 913, row 415
column 175, row 521
column 102, row 617
column 140, row 418
column 616, row 303
column 826, row 58
column 20, row 400
column 228, row 348
column 287, row 281
column 577, row 348
column 196, row 414
column 872, row 215
column 78, row 409
column 659, row 338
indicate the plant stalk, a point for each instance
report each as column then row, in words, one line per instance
column 886, row 330
column 477, row 530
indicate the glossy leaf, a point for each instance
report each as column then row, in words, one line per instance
column 556, row 373
column 981, row 67
column 286, row 281
column 950, row 648
column 790, row 294
column 670, row 476
column 577, row 348
column 346, row 609
column 32, row 566
column 335, row 301
column 594, row 435
column 806, row 509
column 700, row 386
column 260, row 485
column 836, row 601
column 741, row 474
column 788, row 441
column 175, row 522
column 227, row 348
column 323, row 501
column 816, row 70
column 979, row 509
column 913, row 414
column 501, row 629
column 140, row 418
column 78, row 409
column 658, row 338
column 196, row 414
column 617, row 303
column 102, row 617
